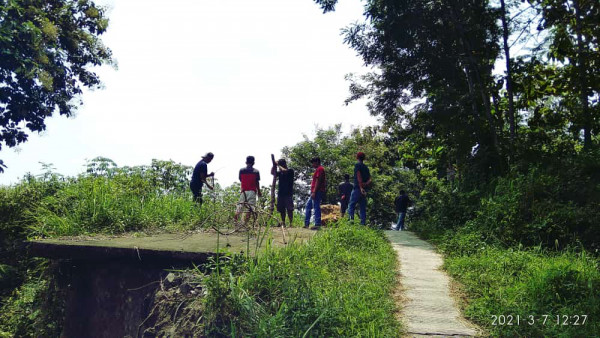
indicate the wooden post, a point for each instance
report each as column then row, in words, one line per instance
column 272, row 207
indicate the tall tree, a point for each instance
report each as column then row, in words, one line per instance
column 46, row 50
column 441, row 52
column 509, row 81
column 574, row 45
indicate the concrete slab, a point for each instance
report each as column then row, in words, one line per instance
column 169, row 247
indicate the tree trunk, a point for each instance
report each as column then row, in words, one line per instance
column 509, row 89
column 272, row 206
column 474, row 77
column 583, row 83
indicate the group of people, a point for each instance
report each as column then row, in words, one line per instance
column 350, row 194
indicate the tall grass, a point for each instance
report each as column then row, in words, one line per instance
column 91, row 205
column 100, row 206
column 526, row 283
column 339, row 284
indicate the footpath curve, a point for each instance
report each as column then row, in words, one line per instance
column 428, row 310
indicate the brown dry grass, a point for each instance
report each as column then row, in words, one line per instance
column 330, row 213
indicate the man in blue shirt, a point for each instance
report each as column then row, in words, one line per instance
column 199, row 177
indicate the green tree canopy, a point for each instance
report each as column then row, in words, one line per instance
column 46, row 50
column 434, row 77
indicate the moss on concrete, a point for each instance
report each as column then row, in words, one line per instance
column 192, row 246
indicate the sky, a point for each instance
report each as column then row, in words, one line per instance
column 233, row 77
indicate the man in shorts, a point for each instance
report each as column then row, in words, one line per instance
column 285, row 191
column 250, row 179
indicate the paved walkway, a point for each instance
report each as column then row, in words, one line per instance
column 427, row 309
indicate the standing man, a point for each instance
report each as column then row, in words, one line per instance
column 362, row 180
column 345, row 189
column 199, row 177
column 317, row 192
column 400, row 205
column 285, row 191
column 250, row 179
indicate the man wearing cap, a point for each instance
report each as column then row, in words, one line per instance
column 250, row 179
column 317, row 192
column 362, row 180
column 199, row 177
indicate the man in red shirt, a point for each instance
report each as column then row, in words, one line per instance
column 250, row 179
column 317, row 192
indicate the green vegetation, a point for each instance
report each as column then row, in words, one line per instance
column 325, row 288
column 503, row 166
column 36, row 307
column 524, row 283
column 48, row 48
column 503, row 162
column 525, row 244
column 522, row 245
column 105, row 200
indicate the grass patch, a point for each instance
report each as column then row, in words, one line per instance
column 525, row 283
column 339, row 284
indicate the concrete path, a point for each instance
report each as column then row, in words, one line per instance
column 427, row 309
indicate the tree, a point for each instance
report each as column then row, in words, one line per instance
column 439, row 52
column 46, row 49
column 575, row 39
column 509, row 81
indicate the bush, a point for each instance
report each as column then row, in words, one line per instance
column 36, row 307
column 531, row 209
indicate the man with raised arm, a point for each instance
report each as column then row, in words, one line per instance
column 285, row 191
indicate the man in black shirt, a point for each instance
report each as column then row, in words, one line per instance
column 199, row 177
column 285, row 192
column 401, row 205
column 362, row 180
column 345, row 189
